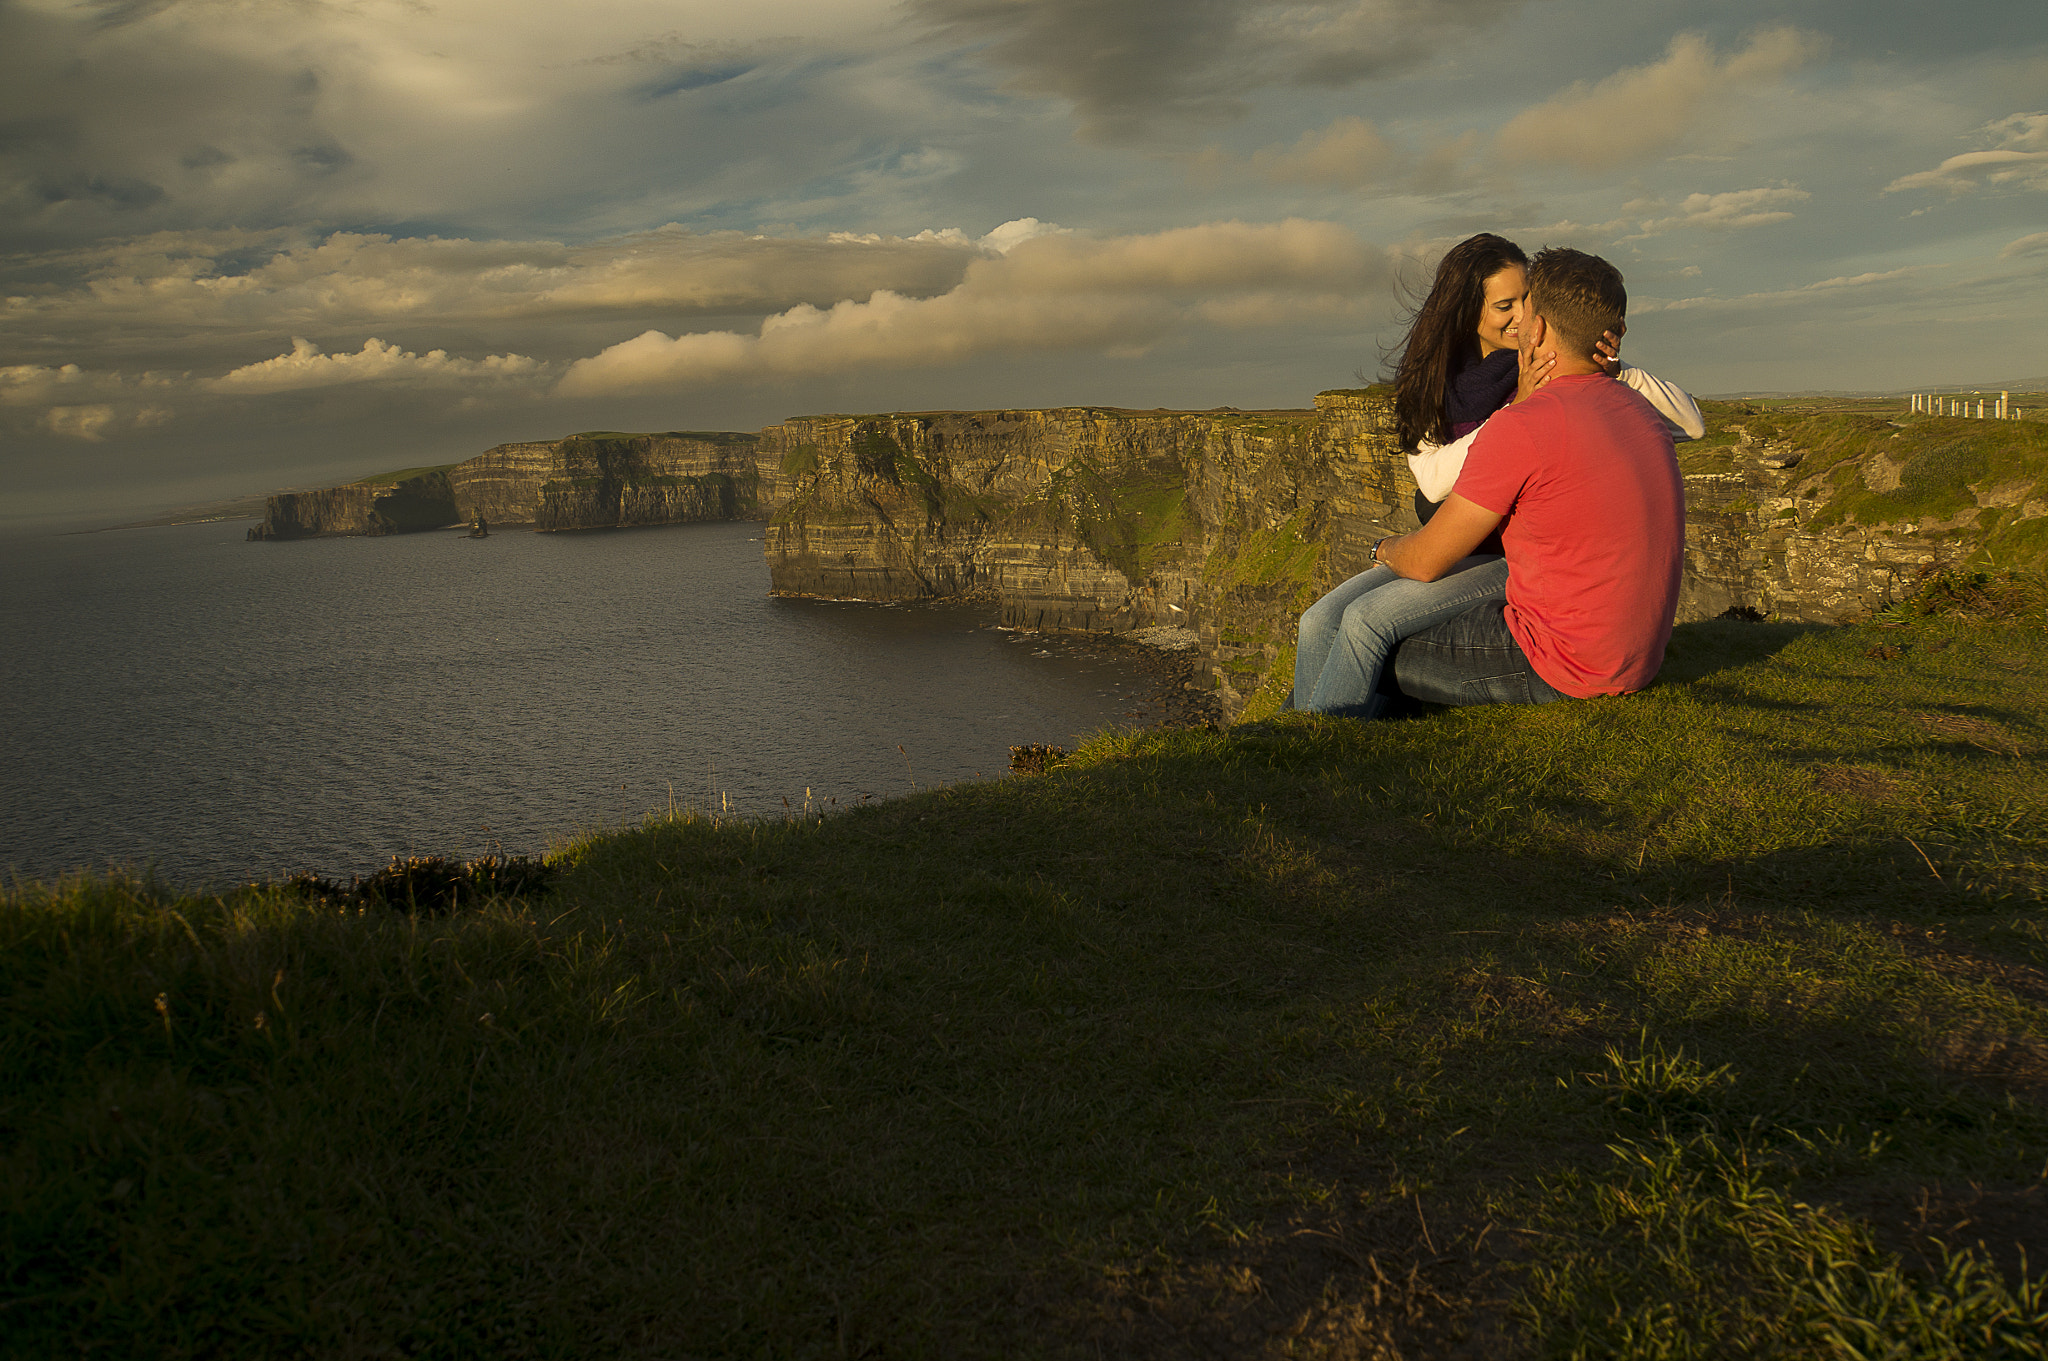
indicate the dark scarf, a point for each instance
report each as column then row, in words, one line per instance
column 1480, row 389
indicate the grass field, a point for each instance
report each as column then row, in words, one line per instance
column 1711, row 1021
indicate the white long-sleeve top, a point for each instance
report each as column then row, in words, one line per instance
column 1436, row 466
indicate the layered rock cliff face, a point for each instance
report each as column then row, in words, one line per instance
column 591, row 481
column 1093, row 518
column 1826, row 518
column 1231, row 522
column 378, row 506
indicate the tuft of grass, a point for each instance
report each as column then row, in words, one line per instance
column 403, row 475
column 1661, row 1026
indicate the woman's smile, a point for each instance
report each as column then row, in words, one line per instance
column 1500, row 316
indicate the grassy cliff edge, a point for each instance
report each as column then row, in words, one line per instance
column 1709, row 1021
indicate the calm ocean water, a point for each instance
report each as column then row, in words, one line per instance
column 228, row 709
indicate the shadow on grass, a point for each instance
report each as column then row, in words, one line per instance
column 1706, row 646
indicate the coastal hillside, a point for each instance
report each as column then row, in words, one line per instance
column 1230, row 522
column 1707, row 1021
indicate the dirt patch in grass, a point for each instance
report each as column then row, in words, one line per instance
column 1381, row 1283
column 2009, row 1222
column 1856, row 782
column 1997, row 1057
column 1933, row 948
column 1978, row 732
column 1536, row 1009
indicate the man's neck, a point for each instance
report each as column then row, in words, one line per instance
column 1570, row 365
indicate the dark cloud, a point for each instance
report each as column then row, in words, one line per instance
column 102, row 132
column 1133, row 68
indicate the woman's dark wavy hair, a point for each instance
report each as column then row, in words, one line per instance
column 1443, row 333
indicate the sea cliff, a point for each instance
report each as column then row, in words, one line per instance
column 1225, row 522
column 597, row 480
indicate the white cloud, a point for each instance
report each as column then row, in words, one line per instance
column 1016, row 232
column 2036, row 244
column 1050, row 293
column 1347, row 154
column 79, row 403
column 80, row 422
column 376, row 362
column 2018, row 159
column 1638, row 113
column 1725, row 211
column 38, row 384
column 1802, row 295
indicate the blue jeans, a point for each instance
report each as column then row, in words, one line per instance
column 1472, row 659
column 1347, row 636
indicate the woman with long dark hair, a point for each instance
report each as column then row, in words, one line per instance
column 1458, row 365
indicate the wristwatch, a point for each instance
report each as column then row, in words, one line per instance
column 1376, row 549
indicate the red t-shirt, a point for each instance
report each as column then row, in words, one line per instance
column 1595, row 531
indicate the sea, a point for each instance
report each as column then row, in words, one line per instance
column 179, row 701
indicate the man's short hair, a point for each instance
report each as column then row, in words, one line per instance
column 1577, row 295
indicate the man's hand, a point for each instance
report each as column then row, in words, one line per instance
column 1458, row 527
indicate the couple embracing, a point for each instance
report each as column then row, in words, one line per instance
column 1548, row 562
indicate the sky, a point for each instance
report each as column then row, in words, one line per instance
column 255, row 244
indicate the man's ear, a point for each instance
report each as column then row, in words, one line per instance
column 1537, row 328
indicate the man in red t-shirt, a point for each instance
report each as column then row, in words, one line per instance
column 1579, row 477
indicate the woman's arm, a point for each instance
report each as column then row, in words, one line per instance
column 1436, row 466
column 1673, row 403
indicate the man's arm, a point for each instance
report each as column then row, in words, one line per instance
column 1458, row 527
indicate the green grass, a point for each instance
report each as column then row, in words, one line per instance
column 402, row 475
column 1708, row 1021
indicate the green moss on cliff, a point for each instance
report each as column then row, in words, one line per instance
column 1134, row 522
column 1282, row 555
column 402, row 475
column 1941, row 466
column 415, row 504
column 800, row 460
column 876, row 454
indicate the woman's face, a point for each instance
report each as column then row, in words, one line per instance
column 1501, row 313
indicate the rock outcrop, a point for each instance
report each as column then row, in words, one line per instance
column 1106, row 519
column 599, row 480
column 1827, row 518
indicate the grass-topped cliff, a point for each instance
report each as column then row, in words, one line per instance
column 600, row 479
column 1708, row 1021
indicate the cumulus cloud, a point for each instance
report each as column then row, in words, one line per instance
column 2036, row 244
column 2017, row 158
column 1348, row 154
column 1128, row 68
column 172, row 290
column 124, row 118
column 1636, row 114
column 1846, row 284
column 80, row 422
column 1053, row 292
column 77, row 403
column 1725, row 211
column 376, row 362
